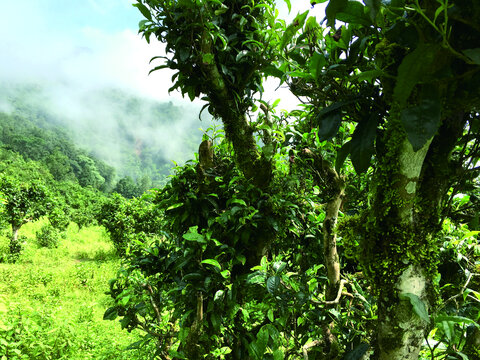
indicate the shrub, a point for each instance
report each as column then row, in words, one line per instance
column 47, row 237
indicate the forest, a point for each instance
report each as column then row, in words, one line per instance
column 346, row 228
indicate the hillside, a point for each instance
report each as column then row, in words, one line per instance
column 136, row 136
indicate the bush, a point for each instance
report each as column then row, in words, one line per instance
column 48, row 237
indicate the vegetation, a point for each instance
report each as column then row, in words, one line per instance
column 388, row 132
column 53, row 299
column 75, row 145
column 345, row 229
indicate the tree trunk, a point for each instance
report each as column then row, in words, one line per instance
column 400, row 329
column 333, row 186
column 15, row 246
column 237, row 129
column 403, row 287
column 330, row 253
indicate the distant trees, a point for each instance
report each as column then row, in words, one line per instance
column 22, row 202
column 128, row 188
column 126, row 220
column 29, row 191
column 34, row 129
column 53, row 148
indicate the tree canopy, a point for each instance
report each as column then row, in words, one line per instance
column 387, row 139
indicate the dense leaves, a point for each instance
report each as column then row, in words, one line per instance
column 235, row 268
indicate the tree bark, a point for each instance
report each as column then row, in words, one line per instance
column 330, row 253
column 237, row 129
column 401, row 328
column 333, row 186
column 15, row 247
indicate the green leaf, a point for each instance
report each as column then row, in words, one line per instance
column 124, row 300
column 144, row 10
column 262, row 341
column 342, row 155
column 193, row 235
column 142, row 23
column 238, row 201
column 414, row 67
column 292, row 29
column 421, row 122
column 212, row 262
column 334, row 7
column 278, row 354
column 110, row 314
column 316, row 64
column 270, row 315
column 256, row 278
column 374, row 7
column 241, row 55
column 368, row 76
column 354, row 13
column 362, row 144
column 448, row 329
column 176, row 355
column 272, row 70
column 174, row 206
column 329, row 125
column 456, row 319
column 279, row 266
column 241, row 259
column 289, row 5
column 273, row 282
column 219, row 295
column 192, row 277
column 473, row 54
column 418, row 305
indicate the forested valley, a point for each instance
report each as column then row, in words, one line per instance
column 346, row 228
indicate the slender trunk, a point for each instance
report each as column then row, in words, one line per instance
column 330, row 253
column 15, row 246
column 333, row 186
column 15, row 230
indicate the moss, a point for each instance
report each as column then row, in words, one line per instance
column 388, row 243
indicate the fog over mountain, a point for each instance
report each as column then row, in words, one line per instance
column 136, row 135
column 83, row 65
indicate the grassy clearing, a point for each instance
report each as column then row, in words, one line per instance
column 52, row 300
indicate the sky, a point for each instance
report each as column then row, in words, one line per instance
column 75, row 49
column 90, row 44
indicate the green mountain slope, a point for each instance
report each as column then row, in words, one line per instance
column 138, row 137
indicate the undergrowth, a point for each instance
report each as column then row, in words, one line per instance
column 52, row 300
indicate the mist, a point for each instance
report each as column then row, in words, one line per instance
column 74, row 55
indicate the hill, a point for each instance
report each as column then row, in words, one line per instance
column 137, row 137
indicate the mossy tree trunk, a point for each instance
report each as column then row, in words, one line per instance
column 411, row 192
column 399, row 251
column 237, row 129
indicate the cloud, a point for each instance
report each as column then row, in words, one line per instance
column 75, row 48
column 40, row 49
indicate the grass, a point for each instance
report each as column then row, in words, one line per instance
column 52, row 300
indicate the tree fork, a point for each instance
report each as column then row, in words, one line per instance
column 237, row 130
